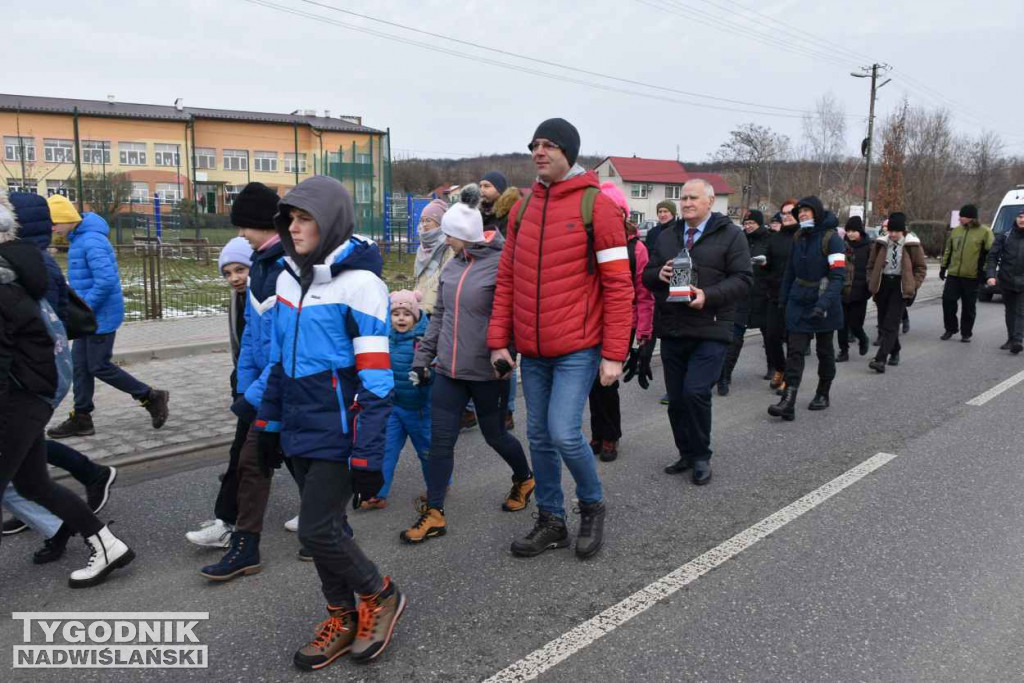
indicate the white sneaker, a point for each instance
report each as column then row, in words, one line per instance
column 212, row 534
column 292, row 524
column 107, row 553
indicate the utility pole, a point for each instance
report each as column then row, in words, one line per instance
column 78, row 163
column 871, row 72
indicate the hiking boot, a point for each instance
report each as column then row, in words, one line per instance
column 1016, row 348
column 591, row 533
column 609, row 451
column 77, row 424
column 548, row 532
column 947, row 335
column 786, row 407
column 378, row 614
column 431, row 523
column 241, row 560
column 53, row 548
column 519, row 497
column 214, row 533
column 334, row 638
column 878, row 366
column 106, row 553
column 844, row 356
column 778, row 380
column 894, row 358
column 374, row 503
column 468, row 420
column 156, row 405
column 13, row 526
column 97, row 493
column 1006, row 345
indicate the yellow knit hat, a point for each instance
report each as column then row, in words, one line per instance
column 62, row 210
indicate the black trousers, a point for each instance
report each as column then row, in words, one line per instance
column 692, row 366
column 799, row 342
column 74, row 463
column 226, row 507
column 1013, row 302
column 775, row 336
column 891, row 306
column 960, row 290
column 854, row 313
column 605, row 415
column 23, row 462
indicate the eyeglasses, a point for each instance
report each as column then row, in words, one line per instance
column 543, row 144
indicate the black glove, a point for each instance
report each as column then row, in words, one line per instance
column 420, row 376
column 646, row 354
column 942, row 273
column 243, row 409
column 365, row 485
column 632, row 363
column 268, row 452
column 818, row 313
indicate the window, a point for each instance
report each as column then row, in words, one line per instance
column 289, row 162
column 169, row 192
column 140, row 193
column 672, row 191
column 95, row 152
column 362, row 158
column 61, row 187
column 206, row 157
column 611, row 171
column 638, row 191
column 59, row 151
column 363, row 195
column 132, row 153
column 166, row 155
column 265, row 161
column 636, row 217
column 236, row 160
column 28, row 185
column 231, row 193
column 14, row 146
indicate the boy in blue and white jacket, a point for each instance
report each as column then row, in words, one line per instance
column 326, row 406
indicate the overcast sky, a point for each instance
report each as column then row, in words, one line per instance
column 238, row 55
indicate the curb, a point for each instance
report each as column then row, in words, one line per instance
column 157, row 454
column 169, row 352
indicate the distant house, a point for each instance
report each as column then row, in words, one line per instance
column 646, row 182
column 441, row 191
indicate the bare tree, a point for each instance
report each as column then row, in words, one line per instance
column 755, row 148
column 825, row 145
column 891, row 191
column 932, row 172
column 985, row 163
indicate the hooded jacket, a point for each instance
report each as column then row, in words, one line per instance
column 36, row 228
column 812, row 279
column 913, row 271
column 254, row 354
column 93, row 274
column 1006, row 260
column 26, row 348
column 861, row 250
column 721, row 259
column 497, row 218
column 329, row 388
column 465, row 298
column 403, row 347
column 966, row 250
column 546, row 299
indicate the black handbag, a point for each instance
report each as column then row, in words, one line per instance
column 81, row 321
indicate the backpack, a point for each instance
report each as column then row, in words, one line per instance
column 61, row 353
column 587, row 213
column 826, row 237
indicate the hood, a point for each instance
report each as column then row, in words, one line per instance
column 357, row 253
column 573, row 172
column 493, row 242
column 506, row 201
column 815, row 205
column 571, row 183
column 417, row 330
column 91, row 222
column 331, row 206
column 34, row 217
column 22, row 262
column 910, row 239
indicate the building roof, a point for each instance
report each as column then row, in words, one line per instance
column 159, row 112
column 667, row 171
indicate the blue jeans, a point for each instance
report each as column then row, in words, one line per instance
column 92, row 358
column 39, row 519
column 556, row 389
column 402, row 423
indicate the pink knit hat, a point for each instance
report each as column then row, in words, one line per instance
column 407, row 299
column 435, row 210
column 612, row 191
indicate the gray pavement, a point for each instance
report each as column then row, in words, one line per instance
column 912, row 573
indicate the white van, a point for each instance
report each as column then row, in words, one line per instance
column 1011, row 205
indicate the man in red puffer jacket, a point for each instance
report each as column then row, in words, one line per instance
column 564, row 297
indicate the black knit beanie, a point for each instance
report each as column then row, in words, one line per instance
column 563, row 134
column 254, row 207
column 855, row 223
column 969, row 211
column 496, row 178
column 897, row 222
column 756, row 216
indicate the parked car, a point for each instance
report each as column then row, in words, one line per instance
column 1005, row 216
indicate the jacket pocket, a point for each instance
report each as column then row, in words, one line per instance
column 336, row 383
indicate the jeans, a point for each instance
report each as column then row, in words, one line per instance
column 226, row 507
column 92, row 358
column 1013, row 302
column 556, row 389
column 891, row 306
column 691, row 367
column 799, row 342
column 405, row 423
column 450, row 397
column 955, row 290
column 84, row 470
column 38, row 518
column 326, row 489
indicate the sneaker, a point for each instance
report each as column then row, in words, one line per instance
column 609, row 451
column 549, row 532
column 965, row 338
column 468, row 420
column 156, row 405
column 292, row 524
column 241, row 560
column 519, row 497
column 53, row 548
column 591, row 533
column 106, row 553
column 77, row 424
column 378, row 614
column 431, row 523
column 374, row 503
column 215, row 533
column 304, row 555
column 13, row 526
column 98, row 491
column 334, row 638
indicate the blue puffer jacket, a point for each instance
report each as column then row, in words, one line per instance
column 254, row 354
column 36, row 227
column 403, row 349
column 92, row 270
column 812, row 279
column 330, row 385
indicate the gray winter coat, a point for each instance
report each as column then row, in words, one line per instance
column 457, row 334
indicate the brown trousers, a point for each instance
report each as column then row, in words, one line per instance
column 253, row 487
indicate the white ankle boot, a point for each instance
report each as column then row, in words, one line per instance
column 107, row 554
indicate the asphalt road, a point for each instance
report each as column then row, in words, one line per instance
column 914, row 572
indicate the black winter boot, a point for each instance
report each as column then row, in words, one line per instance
column 549, row 532
column 77, row 424
column 844, row 355
column 820, row 400
column 591, row 533
column 785, row 408
column 242, row 559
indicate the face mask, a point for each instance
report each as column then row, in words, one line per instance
column 806, row 224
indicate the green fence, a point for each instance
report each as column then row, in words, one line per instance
column 365, row 170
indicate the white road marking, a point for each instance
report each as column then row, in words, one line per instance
column 982, row 399
column 568, row 644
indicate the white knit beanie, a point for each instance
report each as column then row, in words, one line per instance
column 463, row 222
column 238, row 250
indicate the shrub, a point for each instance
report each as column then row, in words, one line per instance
column 932, row 235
